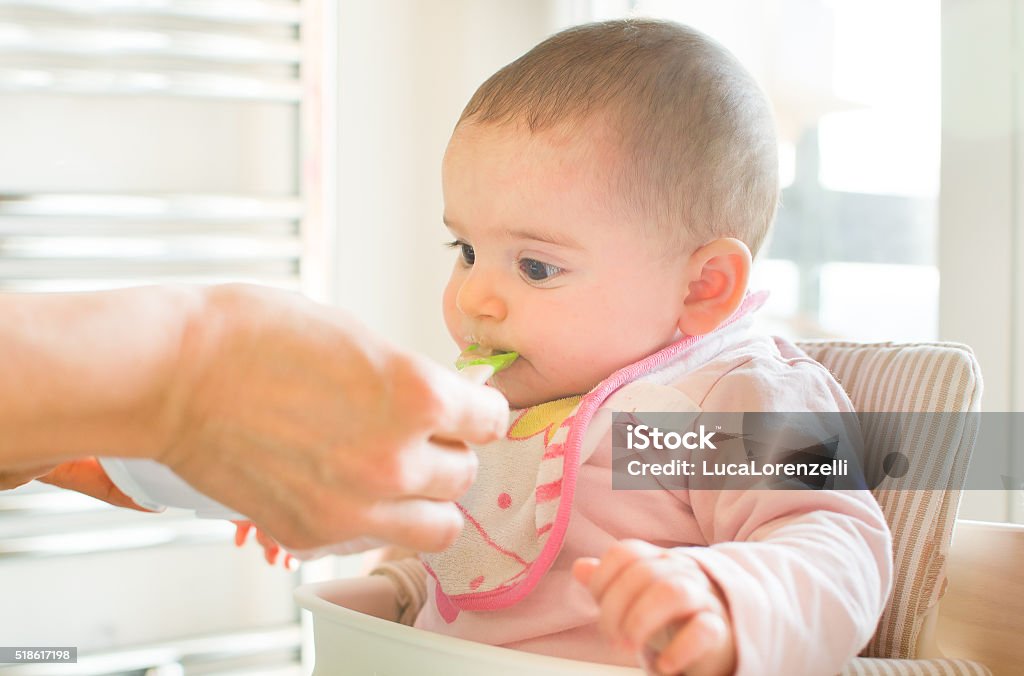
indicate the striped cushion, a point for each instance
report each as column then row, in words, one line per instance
column 875, row 667
column 911, row 377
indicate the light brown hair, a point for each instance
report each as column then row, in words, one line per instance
column 698, row 142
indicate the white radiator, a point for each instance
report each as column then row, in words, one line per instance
column 148, row 141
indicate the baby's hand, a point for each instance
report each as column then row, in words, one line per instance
column 644, row 590
column 270, row 547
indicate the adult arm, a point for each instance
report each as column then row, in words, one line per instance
column 287, row 411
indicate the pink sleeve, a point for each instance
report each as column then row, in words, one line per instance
column 806, row 573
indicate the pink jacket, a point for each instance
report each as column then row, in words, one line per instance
column 806, row 573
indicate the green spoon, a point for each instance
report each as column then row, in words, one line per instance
column 474, row 355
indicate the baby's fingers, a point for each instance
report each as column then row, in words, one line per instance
column 583, row 569
column 665, row 600
column 617, row 559
column 703, row 634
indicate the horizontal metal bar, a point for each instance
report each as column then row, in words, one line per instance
column 234, row 11
column 223, row 646
column 98, row 268
column 181, row 84
column 92, row 227
column 24, row 38
column 187, row 531
column 14, row 504
column 168, row 247
column 291, row 282
column 152, row 207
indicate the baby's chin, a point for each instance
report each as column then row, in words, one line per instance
column 520, row 396
column 517, row 403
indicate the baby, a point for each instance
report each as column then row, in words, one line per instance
column 606, row 193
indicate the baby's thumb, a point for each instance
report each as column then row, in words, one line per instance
column 583, row 568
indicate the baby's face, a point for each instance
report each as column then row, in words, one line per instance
column 548, row 264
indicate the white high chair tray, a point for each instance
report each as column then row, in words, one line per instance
column 350, row 642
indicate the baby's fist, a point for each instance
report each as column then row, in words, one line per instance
column 661, row 601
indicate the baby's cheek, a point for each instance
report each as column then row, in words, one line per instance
column 450, row 311
column 574, row 371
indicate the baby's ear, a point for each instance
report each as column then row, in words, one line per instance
column 717, row 275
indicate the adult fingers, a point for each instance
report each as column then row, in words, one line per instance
column 242, row 529
column 12, row 478
column 270, row 547
column 436, row 469
column 87, row 476
column 421, row 525
column 467, row 411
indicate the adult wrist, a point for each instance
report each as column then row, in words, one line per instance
column 208, row 317
column 90, row 374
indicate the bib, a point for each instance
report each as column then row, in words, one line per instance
column 517, row 512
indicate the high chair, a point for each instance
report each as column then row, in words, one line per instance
column 913, row 634
column 982, row 626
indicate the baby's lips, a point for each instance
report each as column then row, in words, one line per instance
column 475, row 355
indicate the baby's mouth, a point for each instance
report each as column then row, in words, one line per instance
column 476, row 353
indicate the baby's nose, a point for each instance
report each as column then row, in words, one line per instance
column 480, row 296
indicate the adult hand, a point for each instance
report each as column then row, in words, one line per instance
column 14, row 477
column 84, row 475
column 296, row 416
column 87, row 476
column 285, row 410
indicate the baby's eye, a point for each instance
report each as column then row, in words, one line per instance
column 468, row 255
column 536, row 271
